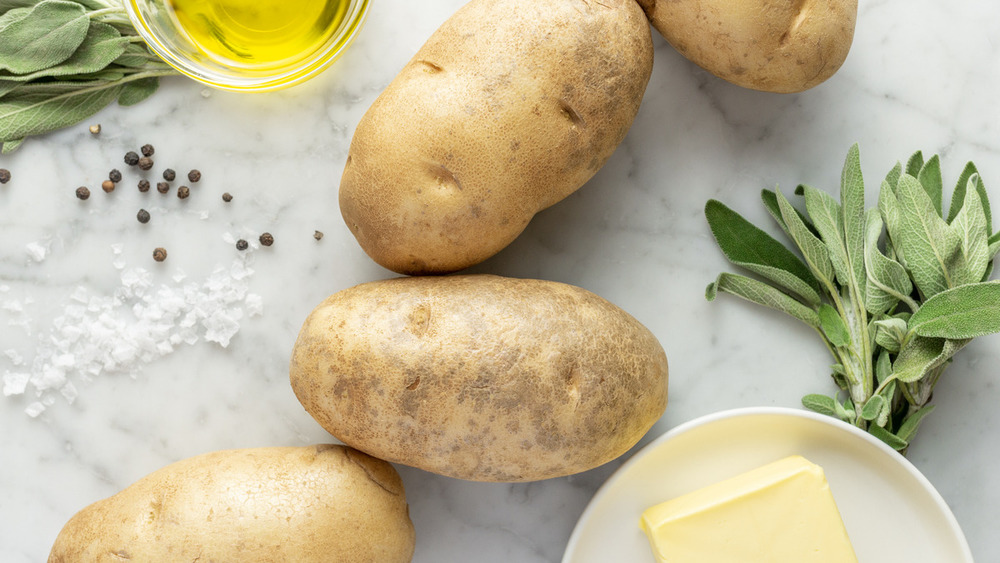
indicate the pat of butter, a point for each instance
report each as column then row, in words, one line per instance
column 782, row 512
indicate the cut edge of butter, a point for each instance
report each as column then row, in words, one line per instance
column 782, row 511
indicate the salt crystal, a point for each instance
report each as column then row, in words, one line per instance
column 15, row 358
column 118, row 262
column 80, row 295
column 13, row 306
column 15, row 383
column 69, row 392
column 34, row 409
column 179, row 276
column 117, row 248
column 36, row 251
column 164, row 347
column 255, row 305
column 228, row 238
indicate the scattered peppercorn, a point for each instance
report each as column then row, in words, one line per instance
column 227, row 197
column 160, row 254
column 169, row 174
column 4, row 175
column 143, row 216
column 108, row 186
column 144, row 185
column 242, row 244
column 318, row 235
column 183, row 192
column 82, row 192
column 131, row 158
column 115, row 176
column 147, row 150
column 162, row 187
column 95, row 129
column 266, row 239
column 194, row 175
column 145, row 163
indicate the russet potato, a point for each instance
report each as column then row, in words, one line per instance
column 480, row 377
column 771, row 45
column 307, row 504
column 508, row 108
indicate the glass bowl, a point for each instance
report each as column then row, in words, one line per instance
column 158, row 26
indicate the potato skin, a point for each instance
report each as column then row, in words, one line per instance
column 508, row 108
column 771, row 45
column 308, row 505
column 480, row 377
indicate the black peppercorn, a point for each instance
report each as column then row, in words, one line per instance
column 143, row 216
column 108, row 186
column 318, row 235
column 169, row 174
column 147, row 150
column 82, row 192
column 266, row 239
column 242, row 244
column 145, row 163
column 115, row 176
column 131, row 158
column 227, row 197
column 162, row 187
column 183, row 192
column 160, row 254
column 194, row 175
column 4, row 175
column 144, row 185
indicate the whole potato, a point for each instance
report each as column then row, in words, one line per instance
column 480, row 377
column 508, row 108
column 308, row 505
column 771, row 45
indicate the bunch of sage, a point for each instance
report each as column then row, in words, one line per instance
column 894, row 292
column 62, row 61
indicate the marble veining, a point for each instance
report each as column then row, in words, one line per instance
column 921, row 75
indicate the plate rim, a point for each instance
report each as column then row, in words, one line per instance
column 924, row 482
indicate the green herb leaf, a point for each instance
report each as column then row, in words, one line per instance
column 971, row 228
column 958, row 194
column 888, row 206
column 930, row 178
column 826, row 215
column 7, row 86
column 21, row 116
column 749, row 247
column 47, row 36
column 13, row 15
column 11, row 146
column 886, row 280
column 135, row 56
column 921, row 355
column 915, row 163
column 762, row 294
column 821, row 404
column 883, row 366
column 852, row 204
column 893, row 176
column 894, row 442
column 928, row 245
column 890, row 334
column 833, row 326
column 102, row 45
column 910, row 424
column 964, row 312
column 813, row 250
column 873, row 407
column 770, row 199
column 138, row 90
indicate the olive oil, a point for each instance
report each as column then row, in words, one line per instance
column 258, row 34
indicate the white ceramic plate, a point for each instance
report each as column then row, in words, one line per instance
column 869, row 481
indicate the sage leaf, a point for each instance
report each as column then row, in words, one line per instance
column 11, row 146
column 915, row 163
column 820, row 404
column 873, row 407
column 893, row 441
column 138, row 90
column 21, row 116
column 930, row 178
column 89, row 4
column 928, row 245
column 921, row 355
column 843, row 413
column 890, row 333
column 852, row 205
column 968, row 311
column 13, row 15
column 762, row 294
column 958, row 194
column 101, row 46
column 749, row 247
column 47, row 36
column 7, row 86
column 888, row 206
column 770, row 199
column 886, row 280
column 816, row 255
column 910, row 424
column 971, row 228
column 883, row 366
column 135, row 55
column 833, row 326
column 893, row 175
column 994, row 246
column 826, row 215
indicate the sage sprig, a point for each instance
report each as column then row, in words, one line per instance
column 62, row 61
column 894, row 292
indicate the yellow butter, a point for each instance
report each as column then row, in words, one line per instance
column 782, row 512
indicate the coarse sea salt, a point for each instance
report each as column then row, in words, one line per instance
column 140, row 321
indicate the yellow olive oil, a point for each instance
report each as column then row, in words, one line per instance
column 258, row 34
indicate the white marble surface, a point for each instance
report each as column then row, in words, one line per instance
column 921, row 75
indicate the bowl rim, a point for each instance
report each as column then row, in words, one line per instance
column 703, row 420
column 313, row 65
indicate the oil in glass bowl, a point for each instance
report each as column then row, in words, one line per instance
column 258, row 34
